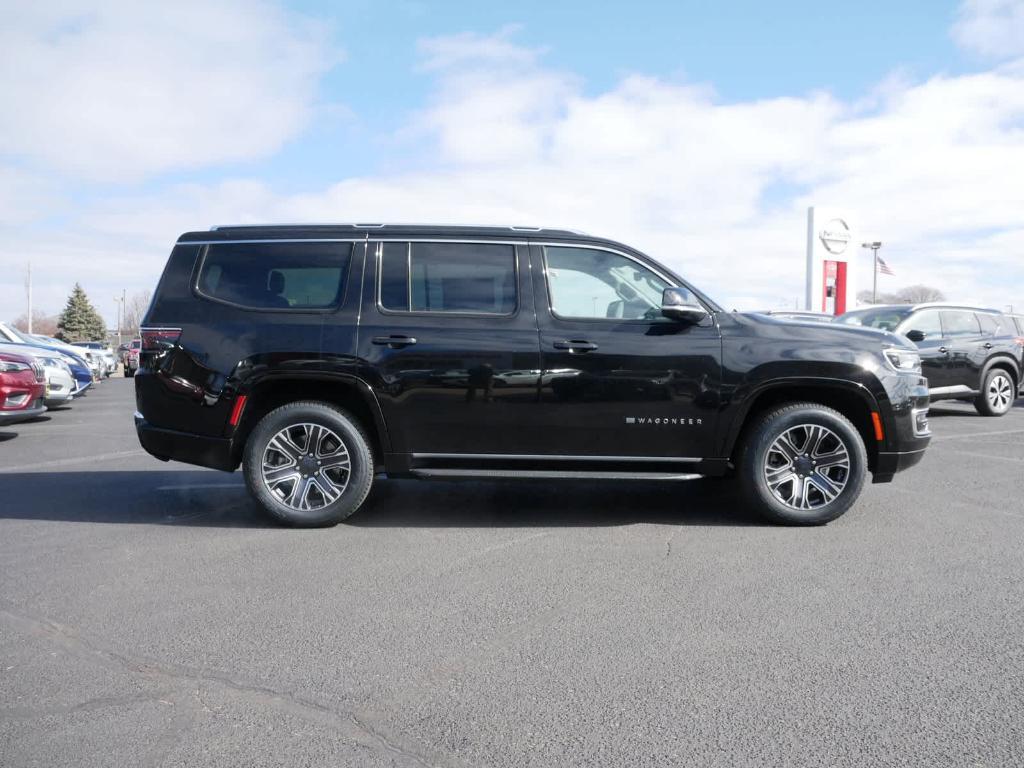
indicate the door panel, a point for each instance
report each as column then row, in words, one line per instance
column 966, row 348
column 934, row 349
column 618, row 379
column 448, row 338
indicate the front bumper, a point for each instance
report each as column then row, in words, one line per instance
column 168, row 444
column 23, row 414
column 907, row 431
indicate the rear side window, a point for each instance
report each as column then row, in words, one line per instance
column 990, row 324
column 276, row 275
column 1019, row 322
column 960, row 323
column 476, row 278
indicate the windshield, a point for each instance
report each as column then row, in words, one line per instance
column 882, row 318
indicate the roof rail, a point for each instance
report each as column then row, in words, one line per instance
column 514, row 228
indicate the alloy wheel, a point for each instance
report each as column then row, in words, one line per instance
column 306, row 466
column 1000, row 392
column 807, row 467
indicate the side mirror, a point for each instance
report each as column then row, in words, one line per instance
column 679, row 304
column 915, row 336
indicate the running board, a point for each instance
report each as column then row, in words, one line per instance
column 526, row 474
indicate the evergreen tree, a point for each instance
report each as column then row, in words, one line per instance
column 80, row 321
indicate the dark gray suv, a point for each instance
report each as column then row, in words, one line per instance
column 966, row 352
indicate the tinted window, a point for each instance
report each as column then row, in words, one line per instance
column 960, row 323
column 927, row 322
column 448, row 277
column 592, row 284
column 993, row 325
column 884, row 318
column 276, row 275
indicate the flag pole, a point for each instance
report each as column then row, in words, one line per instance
column 874, row 287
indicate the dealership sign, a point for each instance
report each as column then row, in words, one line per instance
column 835, row 236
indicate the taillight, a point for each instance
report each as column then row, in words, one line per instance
column 159, row 339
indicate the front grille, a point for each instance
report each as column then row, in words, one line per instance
column 39, row 372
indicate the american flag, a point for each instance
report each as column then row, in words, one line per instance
column 883, row 267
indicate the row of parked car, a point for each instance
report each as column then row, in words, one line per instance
column 40, row 372
column 967, row 353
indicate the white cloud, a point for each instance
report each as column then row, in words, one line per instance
column 717, row 190
column 118, row 90
column 993, row 28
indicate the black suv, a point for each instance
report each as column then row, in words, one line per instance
column 966, row 352
column 320, row 356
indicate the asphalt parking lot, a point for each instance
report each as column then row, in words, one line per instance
column 150, row 616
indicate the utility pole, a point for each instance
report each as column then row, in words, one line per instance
column 874, row 246
column 118, row 302
column 28, row 287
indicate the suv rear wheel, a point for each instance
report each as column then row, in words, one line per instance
column 997, row 393
column 803, row 464
column 308, row 464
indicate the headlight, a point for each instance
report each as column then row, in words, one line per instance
column 903, row 360
column 9, row 366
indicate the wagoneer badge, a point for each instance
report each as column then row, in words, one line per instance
column 663, row 421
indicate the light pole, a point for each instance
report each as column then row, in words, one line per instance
column 874, row 246
column 119, row 300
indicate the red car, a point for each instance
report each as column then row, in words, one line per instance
column 131, row 358
column 22, row 387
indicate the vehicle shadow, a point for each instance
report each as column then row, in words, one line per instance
column 547, row 503
column 211, row 499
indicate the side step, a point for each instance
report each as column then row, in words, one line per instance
column 526, row 474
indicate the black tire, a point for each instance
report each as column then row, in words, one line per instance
column 762, row 453
column 129, row 373
column 998, row 391
column 344, row 429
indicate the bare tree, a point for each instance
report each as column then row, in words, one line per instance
column 865, row 297
column 919, row 294
column 42, row 323
column 914, row 294
column 134, row 310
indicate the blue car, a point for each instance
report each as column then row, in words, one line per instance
column 79, row 367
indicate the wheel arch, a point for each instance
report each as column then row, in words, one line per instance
column 851, row 399
column 1006, row 362
column 345, row 391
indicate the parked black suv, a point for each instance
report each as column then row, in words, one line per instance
column 319, row 356
column 966, row 352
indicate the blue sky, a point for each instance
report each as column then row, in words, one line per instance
column 753, row 50
column 697, row 131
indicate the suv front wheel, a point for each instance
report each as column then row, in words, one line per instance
column 997, row 393
column 308, row 464
column 803, row 464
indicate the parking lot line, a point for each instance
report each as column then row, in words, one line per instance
column 78, row 460
column 942, row 438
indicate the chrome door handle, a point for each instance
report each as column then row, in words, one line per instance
column 394, row 342
column 575, row 346
column 988, row 345
column 942, row 350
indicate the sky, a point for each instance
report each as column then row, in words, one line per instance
column 697, row 132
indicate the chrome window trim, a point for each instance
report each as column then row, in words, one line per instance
column 559, row 457
column 586, row 246
column 440, row 313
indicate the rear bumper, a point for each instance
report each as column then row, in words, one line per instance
column 168, row 444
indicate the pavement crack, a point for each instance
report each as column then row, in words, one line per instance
column 669, row 540
column 187, row 681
